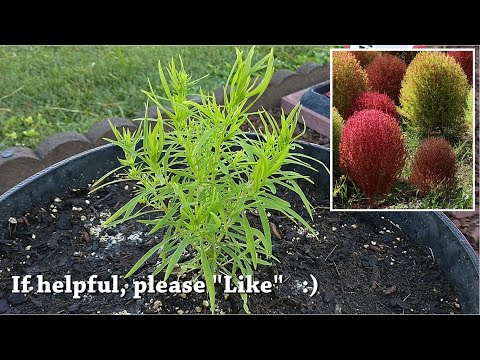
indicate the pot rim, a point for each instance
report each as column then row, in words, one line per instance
column 63, row 162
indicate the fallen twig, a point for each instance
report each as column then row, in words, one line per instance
column 330, row 253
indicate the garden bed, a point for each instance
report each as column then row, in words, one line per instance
column 415, row 162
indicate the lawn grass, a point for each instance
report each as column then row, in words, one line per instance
column 49, row 89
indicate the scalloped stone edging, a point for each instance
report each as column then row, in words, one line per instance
column 18, row 163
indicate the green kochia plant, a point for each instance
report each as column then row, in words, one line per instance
column 200, row 180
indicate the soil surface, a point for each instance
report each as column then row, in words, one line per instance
column 363, row 264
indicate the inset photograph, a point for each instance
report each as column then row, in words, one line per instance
column 402, row 129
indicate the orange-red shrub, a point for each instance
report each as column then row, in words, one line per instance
column 434, row 165
column 465, row 59
column 385, row 74
column 372, row 151
column 373, row 100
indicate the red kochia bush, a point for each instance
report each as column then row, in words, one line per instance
column 434, row 165
column 385, row 74
column 373, row 100
column 372, row 151
column 465, row 59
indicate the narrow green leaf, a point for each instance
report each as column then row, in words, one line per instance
column 207, row 273
column 216, row 220
column 176, row 255
column 235, row 258
column 162, row 222
column 125, row 210
column 263, row 262
column 145, row 257
column 267, row 240
column 297, row 190
column 166, row 88
column 203, row 139
column 107, row 184
column 223, row 168
column 160, row 267
column 250, row 241
column 244, row 297
column 99, row 181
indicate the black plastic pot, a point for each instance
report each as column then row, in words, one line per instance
column 432, row 230
column 316, row 99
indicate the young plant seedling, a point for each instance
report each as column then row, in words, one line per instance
column 200, row 180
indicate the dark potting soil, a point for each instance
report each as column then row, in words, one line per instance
column 363, row 264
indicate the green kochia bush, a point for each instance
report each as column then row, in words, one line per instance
column 349, row 81
column 337, row 127
column 433, row 95
column 469, row 120
column 201, row 180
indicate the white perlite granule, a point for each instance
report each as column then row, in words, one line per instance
column 95, row 230
column 115, row 240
